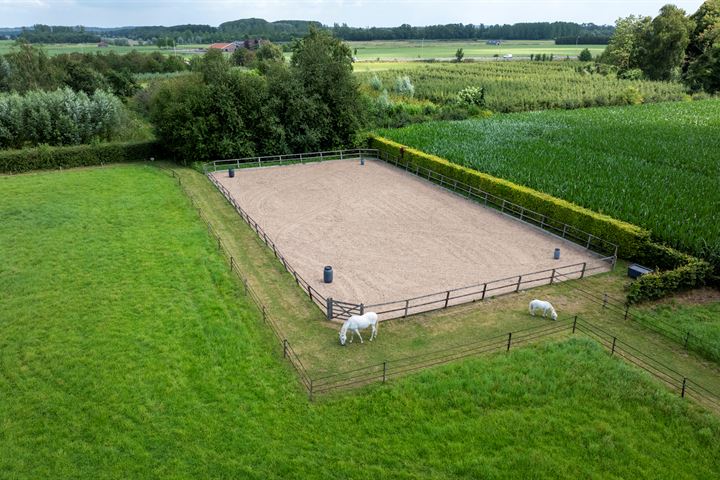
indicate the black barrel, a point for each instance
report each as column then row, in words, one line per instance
column 231, row 172
column 328, row 274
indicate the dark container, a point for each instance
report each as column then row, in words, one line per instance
column 328, row 274
column 231, row 172
column 556, row 255
column 636, row 271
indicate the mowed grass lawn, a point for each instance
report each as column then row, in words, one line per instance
column 128, row 351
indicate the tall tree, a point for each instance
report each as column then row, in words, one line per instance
column 664, row 44
column 323, row 64
column 702, row 68
column 623, row 48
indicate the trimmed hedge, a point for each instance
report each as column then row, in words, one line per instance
column 45, row 157
column 629, row 238
column 675, row 270
column 652, row 286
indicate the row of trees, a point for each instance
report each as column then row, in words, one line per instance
column 222, row 112
column 671, row 46
column 57, row 34
column 61, row 117
column 28, row 68
column 287, row 30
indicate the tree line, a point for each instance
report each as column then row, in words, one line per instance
column 28, row 68
column 287, row 30
column 673, row 46
column 311, row 103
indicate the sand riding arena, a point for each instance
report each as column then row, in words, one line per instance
column 399, row 240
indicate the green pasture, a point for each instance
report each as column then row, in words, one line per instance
column 367, row 51
column 652, row 165
column 438, row 49
column 127, row 349
column 57, row 48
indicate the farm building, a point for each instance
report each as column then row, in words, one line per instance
column 225, row 47
column 250, row 44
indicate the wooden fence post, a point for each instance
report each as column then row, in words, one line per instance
column 232, row 263
column 604, row 300
column 384, row 370
column 509, row 340
column 518, row 284
column 682, row 393
column 285, row 348
column 407, row 303
column 627, row 307
column 552, row 277
column 329, row 311
column 687, row 339
column 362, row 309
column 613, row 346
column 447, row 298
column 582, row 273
column 484, row 290
column 264, row 314
column 245, row 284
column 310, row 391
column 574, row 323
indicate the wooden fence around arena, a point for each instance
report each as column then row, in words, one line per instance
column 341, row 310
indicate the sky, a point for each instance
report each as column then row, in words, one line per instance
column 358, row 13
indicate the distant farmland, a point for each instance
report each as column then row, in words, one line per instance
column 521, row 86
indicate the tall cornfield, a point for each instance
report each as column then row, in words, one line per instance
column 522, row 86
column 657, row 166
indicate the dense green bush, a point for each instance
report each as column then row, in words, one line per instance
column 45, row 157
column 62, row 117
column 693, row 274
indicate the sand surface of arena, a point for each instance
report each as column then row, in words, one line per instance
column 387, row 234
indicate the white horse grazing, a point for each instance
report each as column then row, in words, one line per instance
column 544, row 306
column 359, row 322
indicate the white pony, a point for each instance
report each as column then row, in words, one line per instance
column 544, row 306
column 359, row 322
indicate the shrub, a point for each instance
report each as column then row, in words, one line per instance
column 376, row 83
column 46, row 157
column 62, row 117
column 585, row 55
column 404, row 86
column 472, row 96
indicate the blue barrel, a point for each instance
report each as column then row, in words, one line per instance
column 231, row 172
column 556, row 256
column 328, row 274
column 362, row 160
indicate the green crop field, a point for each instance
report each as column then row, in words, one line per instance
column 438, row 49
column 653, row 165
column 128, row 350
column 520, row 86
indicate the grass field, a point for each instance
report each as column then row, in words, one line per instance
column 652, row 165
column 382, row 50
column 438, row 49
column 127, row 350
column 701, row 320
column 58, row 48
